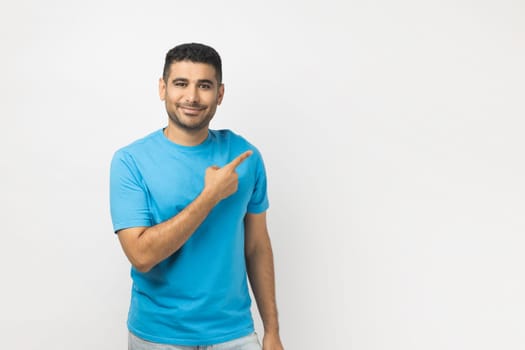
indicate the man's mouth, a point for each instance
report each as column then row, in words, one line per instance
column 192, row 109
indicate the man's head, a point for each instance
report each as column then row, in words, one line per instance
column 191, row 87
column 196, row 53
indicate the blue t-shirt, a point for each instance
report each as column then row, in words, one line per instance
column 199, row 295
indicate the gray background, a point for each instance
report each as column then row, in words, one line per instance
column 392, row 133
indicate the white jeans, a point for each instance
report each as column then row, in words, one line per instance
column 249, row 342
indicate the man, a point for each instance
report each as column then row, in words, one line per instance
column 188, row 204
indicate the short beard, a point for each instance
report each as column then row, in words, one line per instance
column 190, row 128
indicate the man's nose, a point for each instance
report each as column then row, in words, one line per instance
column 192, row 94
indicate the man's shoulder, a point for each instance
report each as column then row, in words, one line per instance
column 231, row 137
column 140, row 145
column 224, row 133
column 236, row 143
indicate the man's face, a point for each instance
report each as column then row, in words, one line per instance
column 191, row 94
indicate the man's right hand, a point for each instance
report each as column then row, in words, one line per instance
column 221, row 183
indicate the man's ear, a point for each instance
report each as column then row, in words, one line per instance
column 220, row 94
column 162, row 89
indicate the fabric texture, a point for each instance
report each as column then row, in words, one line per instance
column 199, row 295
column 249, row 342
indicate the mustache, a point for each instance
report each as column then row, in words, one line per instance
column 191, row 105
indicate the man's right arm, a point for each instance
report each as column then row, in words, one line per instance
column 145, row 247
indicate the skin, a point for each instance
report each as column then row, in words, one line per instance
column 191, row 94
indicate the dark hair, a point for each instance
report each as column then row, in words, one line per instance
column 193, row 52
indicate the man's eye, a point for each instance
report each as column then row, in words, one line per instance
column 180, row 84
column 205, row 86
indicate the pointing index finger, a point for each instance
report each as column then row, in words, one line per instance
column 237, row 161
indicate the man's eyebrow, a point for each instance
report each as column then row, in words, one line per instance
column 200, row 81
column 207, row 81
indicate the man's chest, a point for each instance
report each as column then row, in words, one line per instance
column 172, row 185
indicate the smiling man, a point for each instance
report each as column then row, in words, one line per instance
column 189, row 206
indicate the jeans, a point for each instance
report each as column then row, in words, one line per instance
column 249, row 342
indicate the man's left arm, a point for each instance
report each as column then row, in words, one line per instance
column 259, row 262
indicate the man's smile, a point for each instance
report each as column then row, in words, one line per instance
column 190, row 109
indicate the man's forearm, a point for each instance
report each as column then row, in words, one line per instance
column 158, row 242
column 147, row 246
column 262, row 279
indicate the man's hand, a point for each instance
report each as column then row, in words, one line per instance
column 272, row 342
column 221, row 183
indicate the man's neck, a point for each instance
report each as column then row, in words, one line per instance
column 185, row 137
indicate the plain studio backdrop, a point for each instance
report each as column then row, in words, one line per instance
column 392, row 133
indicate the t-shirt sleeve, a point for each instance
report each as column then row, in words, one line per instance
column 259, row 200
column 128, row 194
